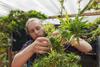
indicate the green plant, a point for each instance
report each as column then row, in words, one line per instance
column 14, row 23
column 57, row 57
column 68, row 30
column 93, row 30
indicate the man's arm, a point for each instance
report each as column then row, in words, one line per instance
column 22, row 57
column 39, row 46
column 82, row 46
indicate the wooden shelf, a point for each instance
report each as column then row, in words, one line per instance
column 98, row 1
column 73, row 15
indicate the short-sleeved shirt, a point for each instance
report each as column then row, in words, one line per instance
column 31, row 60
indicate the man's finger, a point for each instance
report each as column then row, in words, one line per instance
column 42, row 52
column 44, row 48
column 44, row 44
column 41, row 39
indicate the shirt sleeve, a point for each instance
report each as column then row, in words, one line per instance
column 26, row 44
column 69, row 48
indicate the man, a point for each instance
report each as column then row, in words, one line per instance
column 40, row 44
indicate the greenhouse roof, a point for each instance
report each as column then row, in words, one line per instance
column 48, row 7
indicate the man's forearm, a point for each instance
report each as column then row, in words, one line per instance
column 82, row 45
column 21, row 58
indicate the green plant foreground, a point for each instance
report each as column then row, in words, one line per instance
column 55, row 59
column 68, row 30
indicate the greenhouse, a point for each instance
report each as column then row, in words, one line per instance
column 49, row 33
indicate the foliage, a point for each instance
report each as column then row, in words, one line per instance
column 4, row 44
column 92, row 4
column 49, row 28
column 72, row 27
column 69, row 29
column 92, row 30
column 4, row 41
column 79, row 28
column 16, row 19
column 57, row 57
column 14, row 23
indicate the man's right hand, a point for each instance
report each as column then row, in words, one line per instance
column 41, row 45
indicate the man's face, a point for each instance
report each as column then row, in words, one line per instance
column 35, row 29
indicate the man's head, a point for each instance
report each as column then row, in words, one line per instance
column 34, row 28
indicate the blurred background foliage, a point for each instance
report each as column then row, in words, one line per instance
column 12, row 32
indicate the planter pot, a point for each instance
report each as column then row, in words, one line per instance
column 98, row 51
column 92, row 59
column 89, row 61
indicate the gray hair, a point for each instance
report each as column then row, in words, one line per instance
column 31, row 20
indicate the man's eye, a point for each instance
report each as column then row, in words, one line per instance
column 37, row 28
column 32, row 31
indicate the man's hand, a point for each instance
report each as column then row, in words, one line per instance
column 41, row 45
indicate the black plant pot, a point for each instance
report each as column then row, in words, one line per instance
column 88, row 61
column 98, row 51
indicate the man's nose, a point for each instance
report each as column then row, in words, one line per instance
column 36, row 31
